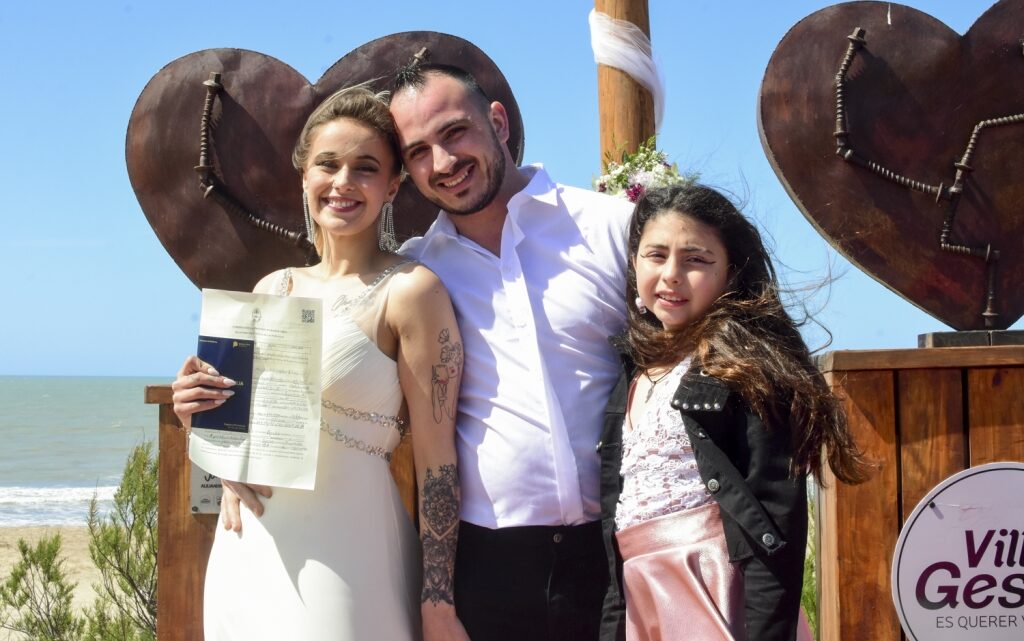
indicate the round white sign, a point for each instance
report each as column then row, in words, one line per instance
column 958, row 569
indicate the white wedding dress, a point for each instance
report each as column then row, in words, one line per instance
column 340, row 562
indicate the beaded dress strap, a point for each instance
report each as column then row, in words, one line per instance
column 345, row 302
column 284, row 285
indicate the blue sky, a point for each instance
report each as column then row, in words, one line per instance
column 90, row 289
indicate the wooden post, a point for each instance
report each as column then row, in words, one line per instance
column 183, row 539
column 403, row 470
column 923, row 415
column 626, row 108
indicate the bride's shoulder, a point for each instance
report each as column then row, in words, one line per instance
column 412, row 276
column 413, row 282
column 278, row 281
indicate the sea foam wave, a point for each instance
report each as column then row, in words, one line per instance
column 25, row 506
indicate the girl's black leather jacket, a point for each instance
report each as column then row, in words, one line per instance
column 745, row 467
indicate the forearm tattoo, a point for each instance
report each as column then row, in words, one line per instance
column 444, row 381
column 439, row 529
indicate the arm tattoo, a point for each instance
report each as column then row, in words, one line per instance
column 445, row 377
column 439, row 529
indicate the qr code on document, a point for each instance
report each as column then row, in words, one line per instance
column 309, row 316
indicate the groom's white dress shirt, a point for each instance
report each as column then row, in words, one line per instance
column 538, row 368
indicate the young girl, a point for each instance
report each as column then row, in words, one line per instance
column 717, row 418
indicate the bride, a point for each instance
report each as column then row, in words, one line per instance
column 341, row 562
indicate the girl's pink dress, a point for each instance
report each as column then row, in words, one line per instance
column 679, row 582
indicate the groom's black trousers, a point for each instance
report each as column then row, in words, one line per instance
column 532, row 583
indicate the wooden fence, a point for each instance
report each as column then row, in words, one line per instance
column 923, row 414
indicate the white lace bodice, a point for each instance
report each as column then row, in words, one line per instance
column 658, row 468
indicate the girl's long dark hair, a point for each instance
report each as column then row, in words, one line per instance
column 746, row 338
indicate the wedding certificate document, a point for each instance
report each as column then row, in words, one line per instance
column 269, row 431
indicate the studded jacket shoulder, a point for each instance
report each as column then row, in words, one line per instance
column 745, row 467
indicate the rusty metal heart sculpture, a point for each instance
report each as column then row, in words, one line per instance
column 254, row 121
column 924, row 193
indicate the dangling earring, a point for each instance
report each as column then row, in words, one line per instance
column 308, row 218
column 640, row 305
column 386, row 229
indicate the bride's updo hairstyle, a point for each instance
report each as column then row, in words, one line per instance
column 356, row 103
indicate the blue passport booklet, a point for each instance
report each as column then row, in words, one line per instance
column 233, row 358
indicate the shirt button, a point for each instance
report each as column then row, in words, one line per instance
column 600, row 444
column 557, row 538
column 714, row 486
column 768, row 539
column 702, row 434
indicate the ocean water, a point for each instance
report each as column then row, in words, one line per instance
column 64, row 440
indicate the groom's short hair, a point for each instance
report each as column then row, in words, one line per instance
column 414, row 76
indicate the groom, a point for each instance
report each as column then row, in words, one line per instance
column 536, row 271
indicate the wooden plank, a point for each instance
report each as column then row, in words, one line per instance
column 403, row 470
column 859, row 524
column 184, row 540
column 931, row 431
column 826, row 543
column 626, row 108
column 996, row 414
column 925, row 358
column 157, row 394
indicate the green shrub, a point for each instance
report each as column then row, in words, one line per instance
column 809, row 592
column 124, row 550
column 35, row 599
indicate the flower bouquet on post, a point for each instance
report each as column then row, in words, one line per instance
column 639, row 171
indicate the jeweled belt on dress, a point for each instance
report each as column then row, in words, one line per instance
column 393, row 422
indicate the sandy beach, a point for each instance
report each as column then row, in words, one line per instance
column 78, row 567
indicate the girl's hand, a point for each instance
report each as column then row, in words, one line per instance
column 198, row 387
